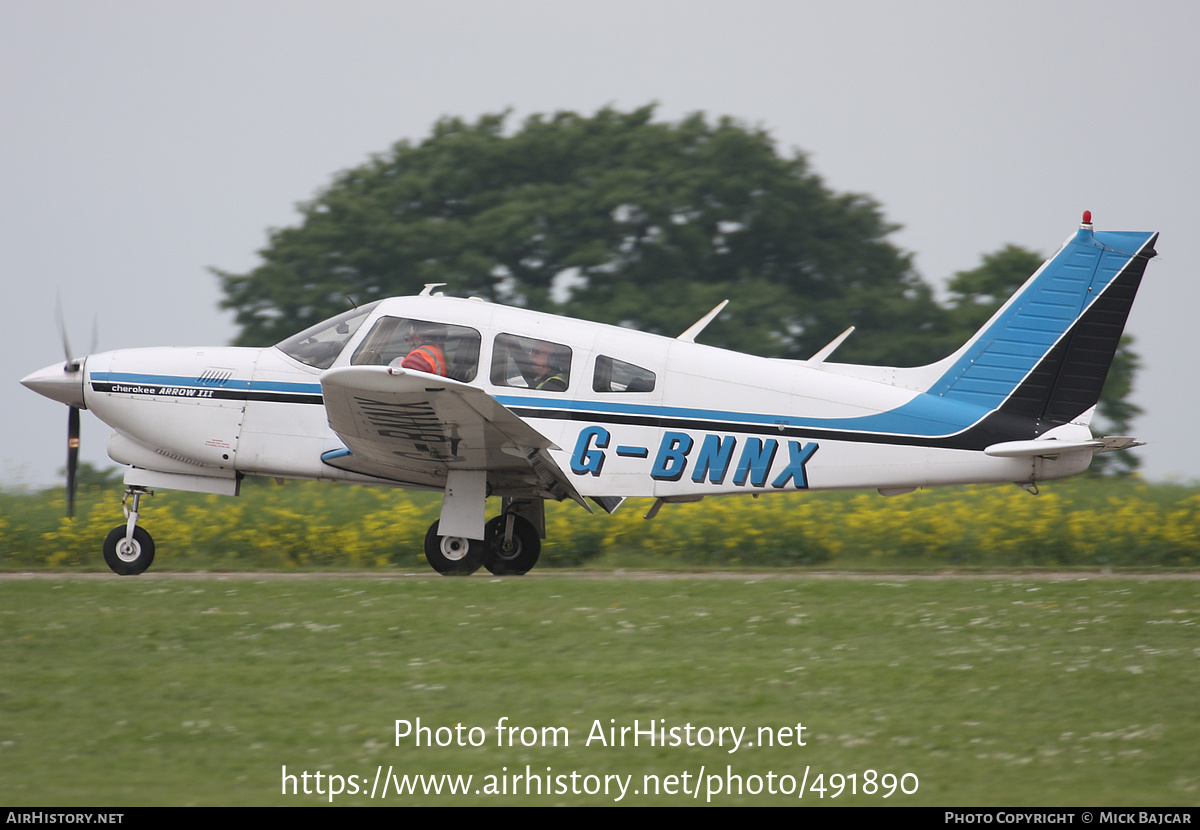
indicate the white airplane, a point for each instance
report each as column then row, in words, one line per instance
column 530, row 406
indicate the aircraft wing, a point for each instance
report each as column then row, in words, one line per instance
column 414, row 428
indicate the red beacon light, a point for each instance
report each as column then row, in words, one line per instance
column 1087, row 218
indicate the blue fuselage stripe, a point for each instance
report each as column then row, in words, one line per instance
column 923, row 416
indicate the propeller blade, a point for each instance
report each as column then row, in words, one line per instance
column 72, row 364
column 72, row 457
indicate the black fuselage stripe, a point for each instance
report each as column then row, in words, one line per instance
column 205, row 393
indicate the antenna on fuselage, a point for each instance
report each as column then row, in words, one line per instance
column 819, row 358
column 689, row 336
column 427, row 291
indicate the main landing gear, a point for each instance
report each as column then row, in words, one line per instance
column 452, row 555
column 129, row 550
column 510, row 547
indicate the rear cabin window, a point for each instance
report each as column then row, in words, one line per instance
column 614, row 375
column 392, row 339
column 528, row 363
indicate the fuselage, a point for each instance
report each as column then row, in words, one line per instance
column 641, row 415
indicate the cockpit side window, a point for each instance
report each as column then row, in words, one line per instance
column 392, row 339
column 319, row 345
column 614, row 375
column 528, row 363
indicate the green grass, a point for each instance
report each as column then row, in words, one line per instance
column 990, row 690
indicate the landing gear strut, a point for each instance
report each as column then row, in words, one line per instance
column 129, row 550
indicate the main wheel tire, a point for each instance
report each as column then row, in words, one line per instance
column 516, row 557
column 128, row 557
column 452, row 555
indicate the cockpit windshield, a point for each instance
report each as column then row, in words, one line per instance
column 320, row 345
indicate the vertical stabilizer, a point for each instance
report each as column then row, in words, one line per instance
column 1046, row 352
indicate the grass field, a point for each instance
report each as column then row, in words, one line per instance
column 1012, row 690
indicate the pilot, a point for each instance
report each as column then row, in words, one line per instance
column 546, row 360
column 425, row 342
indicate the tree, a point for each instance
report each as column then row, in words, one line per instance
column 613, row 218
column 976, row 294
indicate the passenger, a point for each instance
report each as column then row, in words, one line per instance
column 546, row 359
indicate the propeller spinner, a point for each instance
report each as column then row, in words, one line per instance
column 63, row 382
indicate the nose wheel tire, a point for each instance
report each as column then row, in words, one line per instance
column 128, row 557
column 516, row 556
column 452, row 555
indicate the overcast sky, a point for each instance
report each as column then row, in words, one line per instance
column 144, row 142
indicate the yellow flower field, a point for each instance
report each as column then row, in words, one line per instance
column 1086, row 523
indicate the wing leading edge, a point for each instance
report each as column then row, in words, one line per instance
column 415, row 429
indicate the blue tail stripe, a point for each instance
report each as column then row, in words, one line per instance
column 1003, row 355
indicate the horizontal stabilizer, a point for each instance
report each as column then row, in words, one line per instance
column 1050, row 446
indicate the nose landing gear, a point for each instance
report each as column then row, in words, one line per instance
column 129, row 550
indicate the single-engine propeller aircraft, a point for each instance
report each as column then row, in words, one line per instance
column 476, row 399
